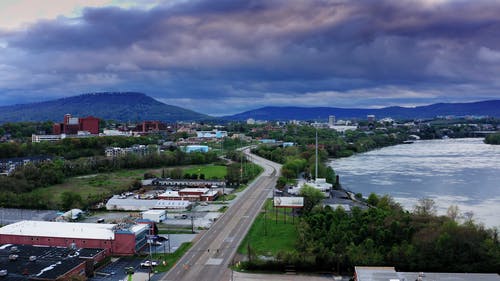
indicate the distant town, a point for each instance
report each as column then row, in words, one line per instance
column 249, row 140
column 92, row 189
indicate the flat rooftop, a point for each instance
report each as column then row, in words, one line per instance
column 194, row 189
column 60, row 229
column 373, row 273
column 154, row 212
column 45, row 263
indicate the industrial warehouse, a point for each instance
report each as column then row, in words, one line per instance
column 115, row 239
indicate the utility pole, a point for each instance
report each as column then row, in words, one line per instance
column 316, row 168
column 265, row 219
column 192, row 224
column 150, row 260
column 241, row 166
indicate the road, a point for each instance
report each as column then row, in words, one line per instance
column 209, row 258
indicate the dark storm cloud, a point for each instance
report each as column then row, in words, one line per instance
column 235, row 51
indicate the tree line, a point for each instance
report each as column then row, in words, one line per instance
column 17, row 190
column 387, row 235
column 297, row 161
column 72, row 148
column 492, row 139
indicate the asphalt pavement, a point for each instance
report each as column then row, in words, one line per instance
column 10, row 215
column 211, row 255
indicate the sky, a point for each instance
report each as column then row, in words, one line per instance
column 222, row 57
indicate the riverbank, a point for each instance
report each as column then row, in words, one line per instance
column 462, row 172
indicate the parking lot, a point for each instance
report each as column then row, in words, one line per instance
column 109, row 217
column 8, row 215
column 116, row 269
column 200, row 219
column 175, row 242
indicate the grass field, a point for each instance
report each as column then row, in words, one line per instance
column 104, row 185
column 223, row 198
column 92, row 186
column 210, row 171
column 170, row 259
column 266, row 237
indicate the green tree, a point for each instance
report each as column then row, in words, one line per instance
column 312, row 197
column 493, row 139
column 425, row 207
column 70, row 199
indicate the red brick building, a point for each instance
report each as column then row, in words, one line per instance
column 115, row 239
column 71, row 125
column 150, row 127
column 90, row 124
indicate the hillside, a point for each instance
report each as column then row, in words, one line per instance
column 123, row 106
column 483, row 108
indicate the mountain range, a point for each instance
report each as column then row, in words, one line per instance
column 489, row 108
column 132, row 106
column 119, row 106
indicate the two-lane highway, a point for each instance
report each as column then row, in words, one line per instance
column 209, row 258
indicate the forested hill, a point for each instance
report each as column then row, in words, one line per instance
column 489, row 108
column 119, row 106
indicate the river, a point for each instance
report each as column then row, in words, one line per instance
column 463, row 172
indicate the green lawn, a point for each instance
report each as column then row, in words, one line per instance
column 93, row 186
column 210, row 171
column 170, row 259
column 100, row 186
column 223, row 198
column 266, row 237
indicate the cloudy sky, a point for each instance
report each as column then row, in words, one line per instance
column 226, row 56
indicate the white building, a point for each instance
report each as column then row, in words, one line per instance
column 319, row 183
column 133, row 204
column 214, row 134
column 331, row 120
column 155, row 215
column 60, row 230
column 40, row 138
column 116, row 133
column 343, row 128
column 140, row 150
column 379, row 273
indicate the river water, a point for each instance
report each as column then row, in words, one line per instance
column 463, row 172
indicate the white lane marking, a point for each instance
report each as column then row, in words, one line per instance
column 214, row 261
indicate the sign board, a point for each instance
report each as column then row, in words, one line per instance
column 288, row 202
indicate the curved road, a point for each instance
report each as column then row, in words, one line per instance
column 209, row 258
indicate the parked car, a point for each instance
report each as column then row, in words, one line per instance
column 148, row 263
column 155, row 243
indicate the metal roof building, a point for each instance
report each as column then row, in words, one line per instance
column 374, row 273
column 60, row 229
column 133, row 204
column 117, row 239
